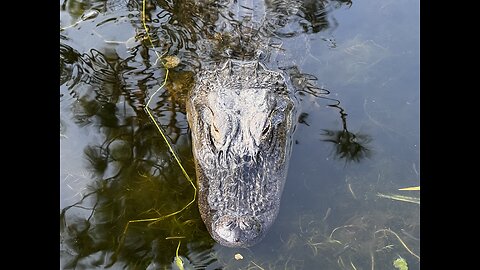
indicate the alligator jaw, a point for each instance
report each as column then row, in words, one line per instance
column 236, row 213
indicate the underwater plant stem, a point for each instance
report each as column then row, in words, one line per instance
column 146, row 28
column 353, row 266
column 401, row 241
column 257, row 265
column 372, row 259
column 163, row 135
column 351, row 191
column 150, row 99
column 178, row 260
column 173, row 154
column 344, row 226
column 158, row 127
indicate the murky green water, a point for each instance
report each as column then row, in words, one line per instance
column 335, row 210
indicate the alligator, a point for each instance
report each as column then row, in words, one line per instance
column 242, row 114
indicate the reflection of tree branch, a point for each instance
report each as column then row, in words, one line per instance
column 143, row 184
column 348, row 146
column 134, row 178
column 315, row 12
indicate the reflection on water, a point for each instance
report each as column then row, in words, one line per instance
column 115, row 166
column 348, row 146
column 132, row 177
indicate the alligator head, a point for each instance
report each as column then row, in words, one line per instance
column 242, row 118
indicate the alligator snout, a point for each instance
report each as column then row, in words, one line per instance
column 237, row 231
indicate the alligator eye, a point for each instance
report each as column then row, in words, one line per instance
column 215, row 136
column 215, row 128
column 266, row 129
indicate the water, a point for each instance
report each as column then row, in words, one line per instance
column 115, row 167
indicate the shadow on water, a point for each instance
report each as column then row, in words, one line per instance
column 130, row 173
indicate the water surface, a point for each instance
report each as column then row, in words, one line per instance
column 353, row 148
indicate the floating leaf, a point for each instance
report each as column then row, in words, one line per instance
column 171, row 61
column 400, row 264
